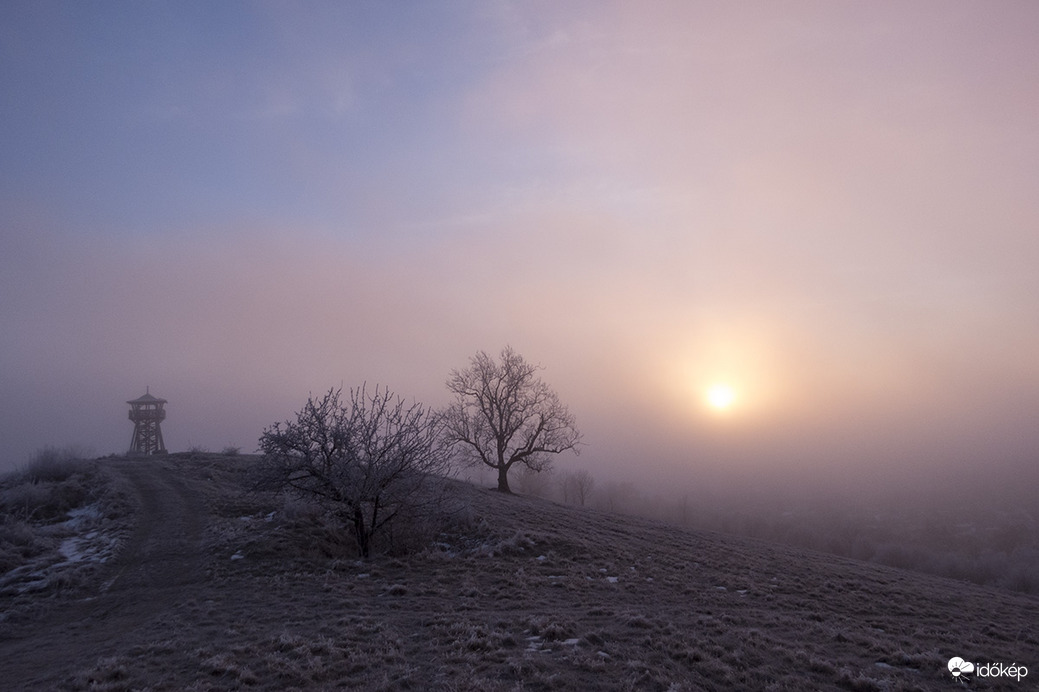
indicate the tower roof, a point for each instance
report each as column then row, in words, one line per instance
column 147, row 399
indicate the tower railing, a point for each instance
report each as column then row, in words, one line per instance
column 147, row 414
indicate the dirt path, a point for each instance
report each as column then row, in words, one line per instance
column 158, row 565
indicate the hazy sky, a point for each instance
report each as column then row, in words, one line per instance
column 831, row 208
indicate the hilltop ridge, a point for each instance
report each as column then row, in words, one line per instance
column 216, row 587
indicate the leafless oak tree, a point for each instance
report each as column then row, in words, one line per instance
column 504, row 414
column 364, row 460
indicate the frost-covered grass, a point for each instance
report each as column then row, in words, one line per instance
column 60, row 517
column 517, row 593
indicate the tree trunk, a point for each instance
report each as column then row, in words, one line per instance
column 361, row 533
column 503, row 479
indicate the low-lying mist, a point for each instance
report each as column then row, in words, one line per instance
column 970, row 524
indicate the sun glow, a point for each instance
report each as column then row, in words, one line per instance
column 729, row 374
column 721, row 397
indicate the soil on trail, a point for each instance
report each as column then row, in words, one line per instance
column 160, row 563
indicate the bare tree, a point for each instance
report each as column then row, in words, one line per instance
column 577, row 486
column 504, row 414
column 364, row 460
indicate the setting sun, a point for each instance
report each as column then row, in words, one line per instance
column 720, row 397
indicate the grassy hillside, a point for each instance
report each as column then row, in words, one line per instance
column 221, row 588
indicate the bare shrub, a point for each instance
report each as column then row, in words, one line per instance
column 55, row 464
column 46, row 500
column 23, row 500
column 366, row 460
column 18, row 543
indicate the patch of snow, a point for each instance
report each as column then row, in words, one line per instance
column 570, row 642
column 81, row 515
column 92, row 546
column 270, row 517
column 238, row 555
column 86, row 545
column 541, row 558
column 612, row 580
column 720, row 588
column 79, row 548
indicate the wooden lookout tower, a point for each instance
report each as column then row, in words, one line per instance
column 146, row 412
